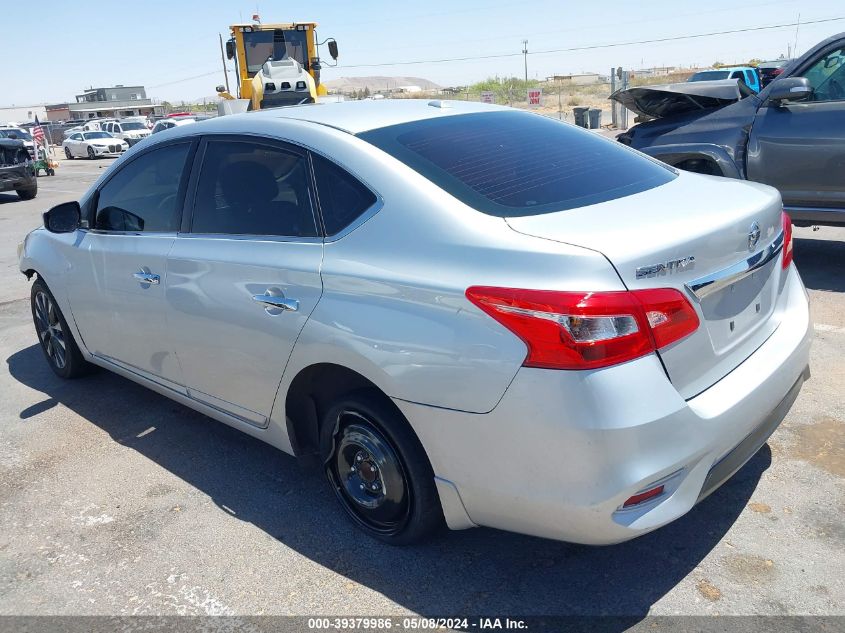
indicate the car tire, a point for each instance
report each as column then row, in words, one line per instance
column 91, row 154
column 27, row 194
column 68, row 153
column 379, row 470
column 54, row 335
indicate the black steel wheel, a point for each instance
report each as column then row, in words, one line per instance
column 56, row 340
column 378, row 470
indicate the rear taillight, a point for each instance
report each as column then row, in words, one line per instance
column 787, row 240
column 587, row 330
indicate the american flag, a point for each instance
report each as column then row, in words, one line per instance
column 38, row 133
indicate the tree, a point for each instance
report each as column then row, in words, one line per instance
column 366, row 91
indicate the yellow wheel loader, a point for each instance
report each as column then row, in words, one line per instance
column 276, row 64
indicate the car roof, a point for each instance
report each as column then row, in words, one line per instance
column 360, row 116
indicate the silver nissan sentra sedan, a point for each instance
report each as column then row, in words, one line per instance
column 471, row 315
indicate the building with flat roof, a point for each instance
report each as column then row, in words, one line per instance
column 117, row 101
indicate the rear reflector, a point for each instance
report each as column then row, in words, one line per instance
column 588, row 330
column 642, row 497
column 787, row 240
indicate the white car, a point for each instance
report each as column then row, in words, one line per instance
column 166, row 124
column 130, row 131
column 93, row 145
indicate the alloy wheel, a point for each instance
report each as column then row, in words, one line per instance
column 50, row 331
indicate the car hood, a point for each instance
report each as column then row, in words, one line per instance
column 670, row 99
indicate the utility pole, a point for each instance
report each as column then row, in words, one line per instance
column 223, row 58
column 525, row 57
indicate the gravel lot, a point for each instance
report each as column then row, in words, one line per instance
column 115, row 500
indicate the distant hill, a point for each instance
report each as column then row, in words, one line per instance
column 377, row 84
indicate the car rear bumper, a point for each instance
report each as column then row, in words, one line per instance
column 562, row 451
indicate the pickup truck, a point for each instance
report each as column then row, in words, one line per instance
column 790, row 135
column 745, row 74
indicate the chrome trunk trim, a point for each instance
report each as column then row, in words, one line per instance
column 707, row 285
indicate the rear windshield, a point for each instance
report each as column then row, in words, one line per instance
column 710, row 75
column 516, row 164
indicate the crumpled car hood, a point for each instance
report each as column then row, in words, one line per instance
column 670, row 99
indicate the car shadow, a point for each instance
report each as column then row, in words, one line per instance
column 821, row 263
column 478, row 571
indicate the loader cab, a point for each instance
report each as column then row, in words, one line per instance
column 261, row 46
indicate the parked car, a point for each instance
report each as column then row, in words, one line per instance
column 455, row 307
column 769, row 70
column 130, row 131
column 93, row 145
column 17, row 133
column 790, row 136
column 16, row 171
column 745, row 74
column 96, row 125
column 170, row 123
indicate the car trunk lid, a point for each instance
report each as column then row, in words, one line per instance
column 695, row 234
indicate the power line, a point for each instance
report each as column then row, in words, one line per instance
column 178, row 81
column 549, row 51
column 595, row 46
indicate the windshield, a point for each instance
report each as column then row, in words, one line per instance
column 133, row 125
column 277, row 44
column 512, row 164
column 18, row 134
column 710, row 75
column 92, row 135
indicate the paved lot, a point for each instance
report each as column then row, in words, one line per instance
column 114, row 500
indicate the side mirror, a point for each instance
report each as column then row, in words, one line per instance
column 790, row 89
column 63, row 218
column 220, row 88
column 230, row 49
column 333, row 49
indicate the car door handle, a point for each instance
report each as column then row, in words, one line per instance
column 278, row 302
column 147, row 278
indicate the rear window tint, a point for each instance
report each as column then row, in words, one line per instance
column 516, row 164
column 342, row 198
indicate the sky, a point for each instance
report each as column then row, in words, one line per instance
column 171, row 47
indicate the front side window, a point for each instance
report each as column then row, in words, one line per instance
column 144, row 195
column 252, row 189
column 342, row 197
column 511, row 164
column 827, row 77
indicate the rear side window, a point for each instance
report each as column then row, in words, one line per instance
column 516, row 164
column 144, row 195
column 342, row 197
column 253, row 189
